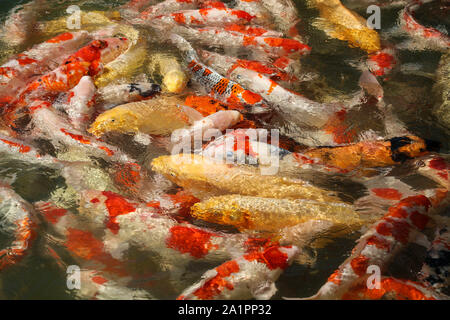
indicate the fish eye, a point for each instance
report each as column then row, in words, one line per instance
column 421, row 163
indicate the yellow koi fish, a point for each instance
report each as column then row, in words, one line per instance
column 343, row 24
column 174, row 78
column 268, row 214
column 205, row 177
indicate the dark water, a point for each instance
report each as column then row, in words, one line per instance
column 38, row 276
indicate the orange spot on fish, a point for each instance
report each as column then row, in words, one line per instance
column 116, row 205
column 217, row 284
column 387, row 193
column 193, row 241
column 62, row 37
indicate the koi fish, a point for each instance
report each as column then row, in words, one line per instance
column 117, row 94
column 369, row 154
column 285, row 14
column 400, row 225
column 255, row 8
column 343, row 24
column 305, row 112
column 159, row 116
column 15, row 73
column 382, row 62
column 86, row 61
column 431, row 36
column 18, row 220
column 169, row 68
column 226, row 65
column 250, row 276
column 268, row 214
column 391, row 288
column 253, row 30
column 47, row 123
column 213, row 82
column 203, row 177
column 205, row 17
column 261, row 46
column 126, row 64
column 78, row 104
column 436, row 268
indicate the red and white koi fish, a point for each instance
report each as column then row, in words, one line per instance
column 253, row 30
column 20, row 24
column 97, row 285
column 285, row 14
column 48, row 124
column 431, row 36
column 307, row 113
column 382, row 62
column 205, row 17
column 435, row 168
column 117, row 94
column 78, row 104
column 401, row 225
column 215, row 84
column 16, row 72
column 165, row 7
column 226, row 64
column 435, row 272
column 259, row 46
column 146, row 226
column 391, row 288
column 24, row 151
column 86, row 61
column 79, row 240
column 18, row 221
column 252, row 275
column 255, row 8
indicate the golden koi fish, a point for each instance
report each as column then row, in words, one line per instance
column 343, row 24
column 159, row 116
column 205, row 177
column 268, row 214
column 174, row 78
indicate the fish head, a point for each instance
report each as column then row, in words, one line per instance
column 175, row 81
column 116, row 119
column 112, row 48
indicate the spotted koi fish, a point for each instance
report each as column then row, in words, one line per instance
column 307, row 113
column 86, row 61
column 205, row 17
column 79, row 103
column 435, row 271
column 15, row 73
column 213, row 82
column 401, row 225
column 392, row 288
column 252, row 275
column 430, row 35
column 47, row 123
column 259, row 46
column 227, row 64
column 18, row 220
column 255, row 7
column 117, row 94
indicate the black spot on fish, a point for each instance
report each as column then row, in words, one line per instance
column 397, row 143
column 147, row 93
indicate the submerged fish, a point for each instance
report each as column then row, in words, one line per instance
column 204, row 176
column 252, row 275
column 400, row 226
column 343, row 24
column 174, row 78
column 17, row 219
column 268, row 214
